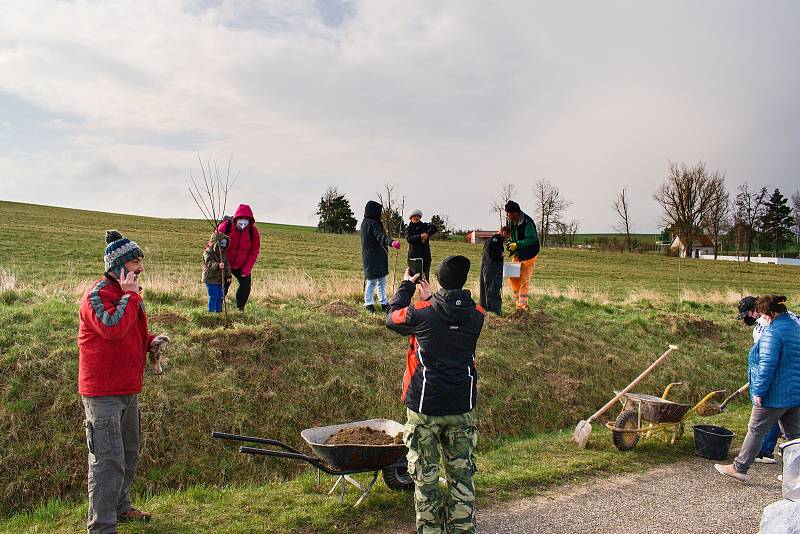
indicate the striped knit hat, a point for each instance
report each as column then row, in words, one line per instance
column 120, row 250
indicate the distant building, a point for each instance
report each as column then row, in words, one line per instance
column 479, row 236
column 702, row 246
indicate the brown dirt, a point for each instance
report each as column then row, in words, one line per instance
column 361, row 435
column 167, row 318
column 691, row 324
column 233, row 340
column 338, row 308
column 523, row 316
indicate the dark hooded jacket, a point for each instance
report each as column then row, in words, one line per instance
column 374, row 243
column 417, row 248
column 212, row 257
column 440, row 377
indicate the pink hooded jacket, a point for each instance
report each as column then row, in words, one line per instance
column 242, row 251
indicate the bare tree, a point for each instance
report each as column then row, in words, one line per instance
column 717, row 216
column 684, row 197
column 623, row 225
column 749, row 210
column 211, row 197
column 550, row 206
column 507, row 192
column 393, row 207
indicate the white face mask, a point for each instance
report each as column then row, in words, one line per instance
column 241, row 224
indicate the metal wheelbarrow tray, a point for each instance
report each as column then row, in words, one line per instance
column 655, row 409
column 345, row 459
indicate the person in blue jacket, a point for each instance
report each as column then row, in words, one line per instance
column 774, row 373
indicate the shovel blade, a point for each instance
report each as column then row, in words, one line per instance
column 581, row 435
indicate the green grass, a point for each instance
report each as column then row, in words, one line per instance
column 287, row 364
column 512, row 468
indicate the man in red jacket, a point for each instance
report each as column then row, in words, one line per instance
column 113, row 341
column 245, row 244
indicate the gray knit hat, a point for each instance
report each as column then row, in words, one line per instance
column 418, row 213
column 120, row 250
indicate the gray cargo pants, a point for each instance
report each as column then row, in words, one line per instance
column 112, row 435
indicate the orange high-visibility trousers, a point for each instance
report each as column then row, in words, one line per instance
column 522, row 285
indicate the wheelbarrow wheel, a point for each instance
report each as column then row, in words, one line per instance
column 625, row 441
column 397, row 478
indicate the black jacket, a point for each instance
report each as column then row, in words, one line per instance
column 418, row 248
column 374, row 243
column 440, row 377
column 493, row 252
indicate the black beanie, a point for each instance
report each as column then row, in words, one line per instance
column 512, row 207
column 452, row 272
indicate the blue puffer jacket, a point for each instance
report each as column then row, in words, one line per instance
column 775, row 364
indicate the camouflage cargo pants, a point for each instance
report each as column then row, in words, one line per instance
column 456, row 437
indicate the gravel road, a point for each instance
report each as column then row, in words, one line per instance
column 686, row 497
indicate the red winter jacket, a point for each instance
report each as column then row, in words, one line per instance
column 112, row 341
column 242, row 251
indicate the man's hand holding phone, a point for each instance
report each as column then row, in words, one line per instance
column 129, row 281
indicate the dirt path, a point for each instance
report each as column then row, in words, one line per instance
column 686, row 497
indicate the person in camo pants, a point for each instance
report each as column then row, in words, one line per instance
column 440, row 392
column 113, row 341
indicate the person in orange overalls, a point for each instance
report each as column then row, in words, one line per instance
column 523, row 246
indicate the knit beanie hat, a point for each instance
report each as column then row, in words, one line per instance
column 512, row 207
column 120, row 250
column 418, row 213
column 452, row 272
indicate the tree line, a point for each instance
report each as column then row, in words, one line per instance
column 337, row 217
column 694, row 200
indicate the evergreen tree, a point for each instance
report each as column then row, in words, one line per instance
column 335, row 215
column 776, row 222
column 441, row 223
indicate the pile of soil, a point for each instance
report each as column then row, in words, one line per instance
column 167, row 318
column 234, row 340
column 362, row 435
column 525, row 316
column 691, row 324
column 338, row 308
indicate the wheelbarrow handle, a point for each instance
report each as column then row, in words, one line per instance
column 313, row 460
column 740, row 391
column 251, row 439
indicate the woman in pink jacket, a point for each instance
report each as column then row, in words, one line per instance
column 245, row 244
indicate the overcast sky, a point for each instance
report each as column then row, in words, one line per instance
column 105, row 105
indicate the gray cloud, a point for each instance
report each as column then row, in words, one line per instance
column 445, row 99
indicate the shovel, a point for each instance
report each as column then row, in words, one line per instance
column 584, row 428
column 740, row 391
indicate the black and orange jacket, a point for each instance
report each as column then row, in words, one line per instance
column 440, row 377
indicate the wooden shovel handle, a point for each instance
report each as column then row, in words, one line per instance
column 633, row 384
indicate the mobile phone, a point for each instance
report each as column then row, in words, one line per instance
column 416, row 266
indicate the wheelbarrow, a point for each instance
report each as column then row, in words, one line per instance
column 649, row 416
column 343, row 460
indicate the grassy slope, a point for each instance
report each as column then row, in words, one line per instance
column 288, row 365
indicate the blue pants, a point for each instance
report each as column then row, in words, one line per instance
column 771, row 439
column 215, row 296
column 369, row 291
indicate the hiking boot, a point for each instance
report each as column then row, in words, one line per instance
column 765, row 458
column 134, row 515
column 370, row 308
column 731, row 472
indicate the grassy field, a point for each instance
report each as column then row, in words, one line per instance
column 292, row 361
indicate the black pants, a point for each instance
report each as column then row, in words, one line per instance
column 492, row 288
column 243, row 293
column 426, row 266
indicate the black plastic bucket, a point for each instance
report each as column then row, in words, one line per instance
column 712, row 442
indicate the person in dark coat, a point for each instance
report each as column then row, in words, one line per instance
column 375, row 255
column 418, row 235
column 492, row 271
